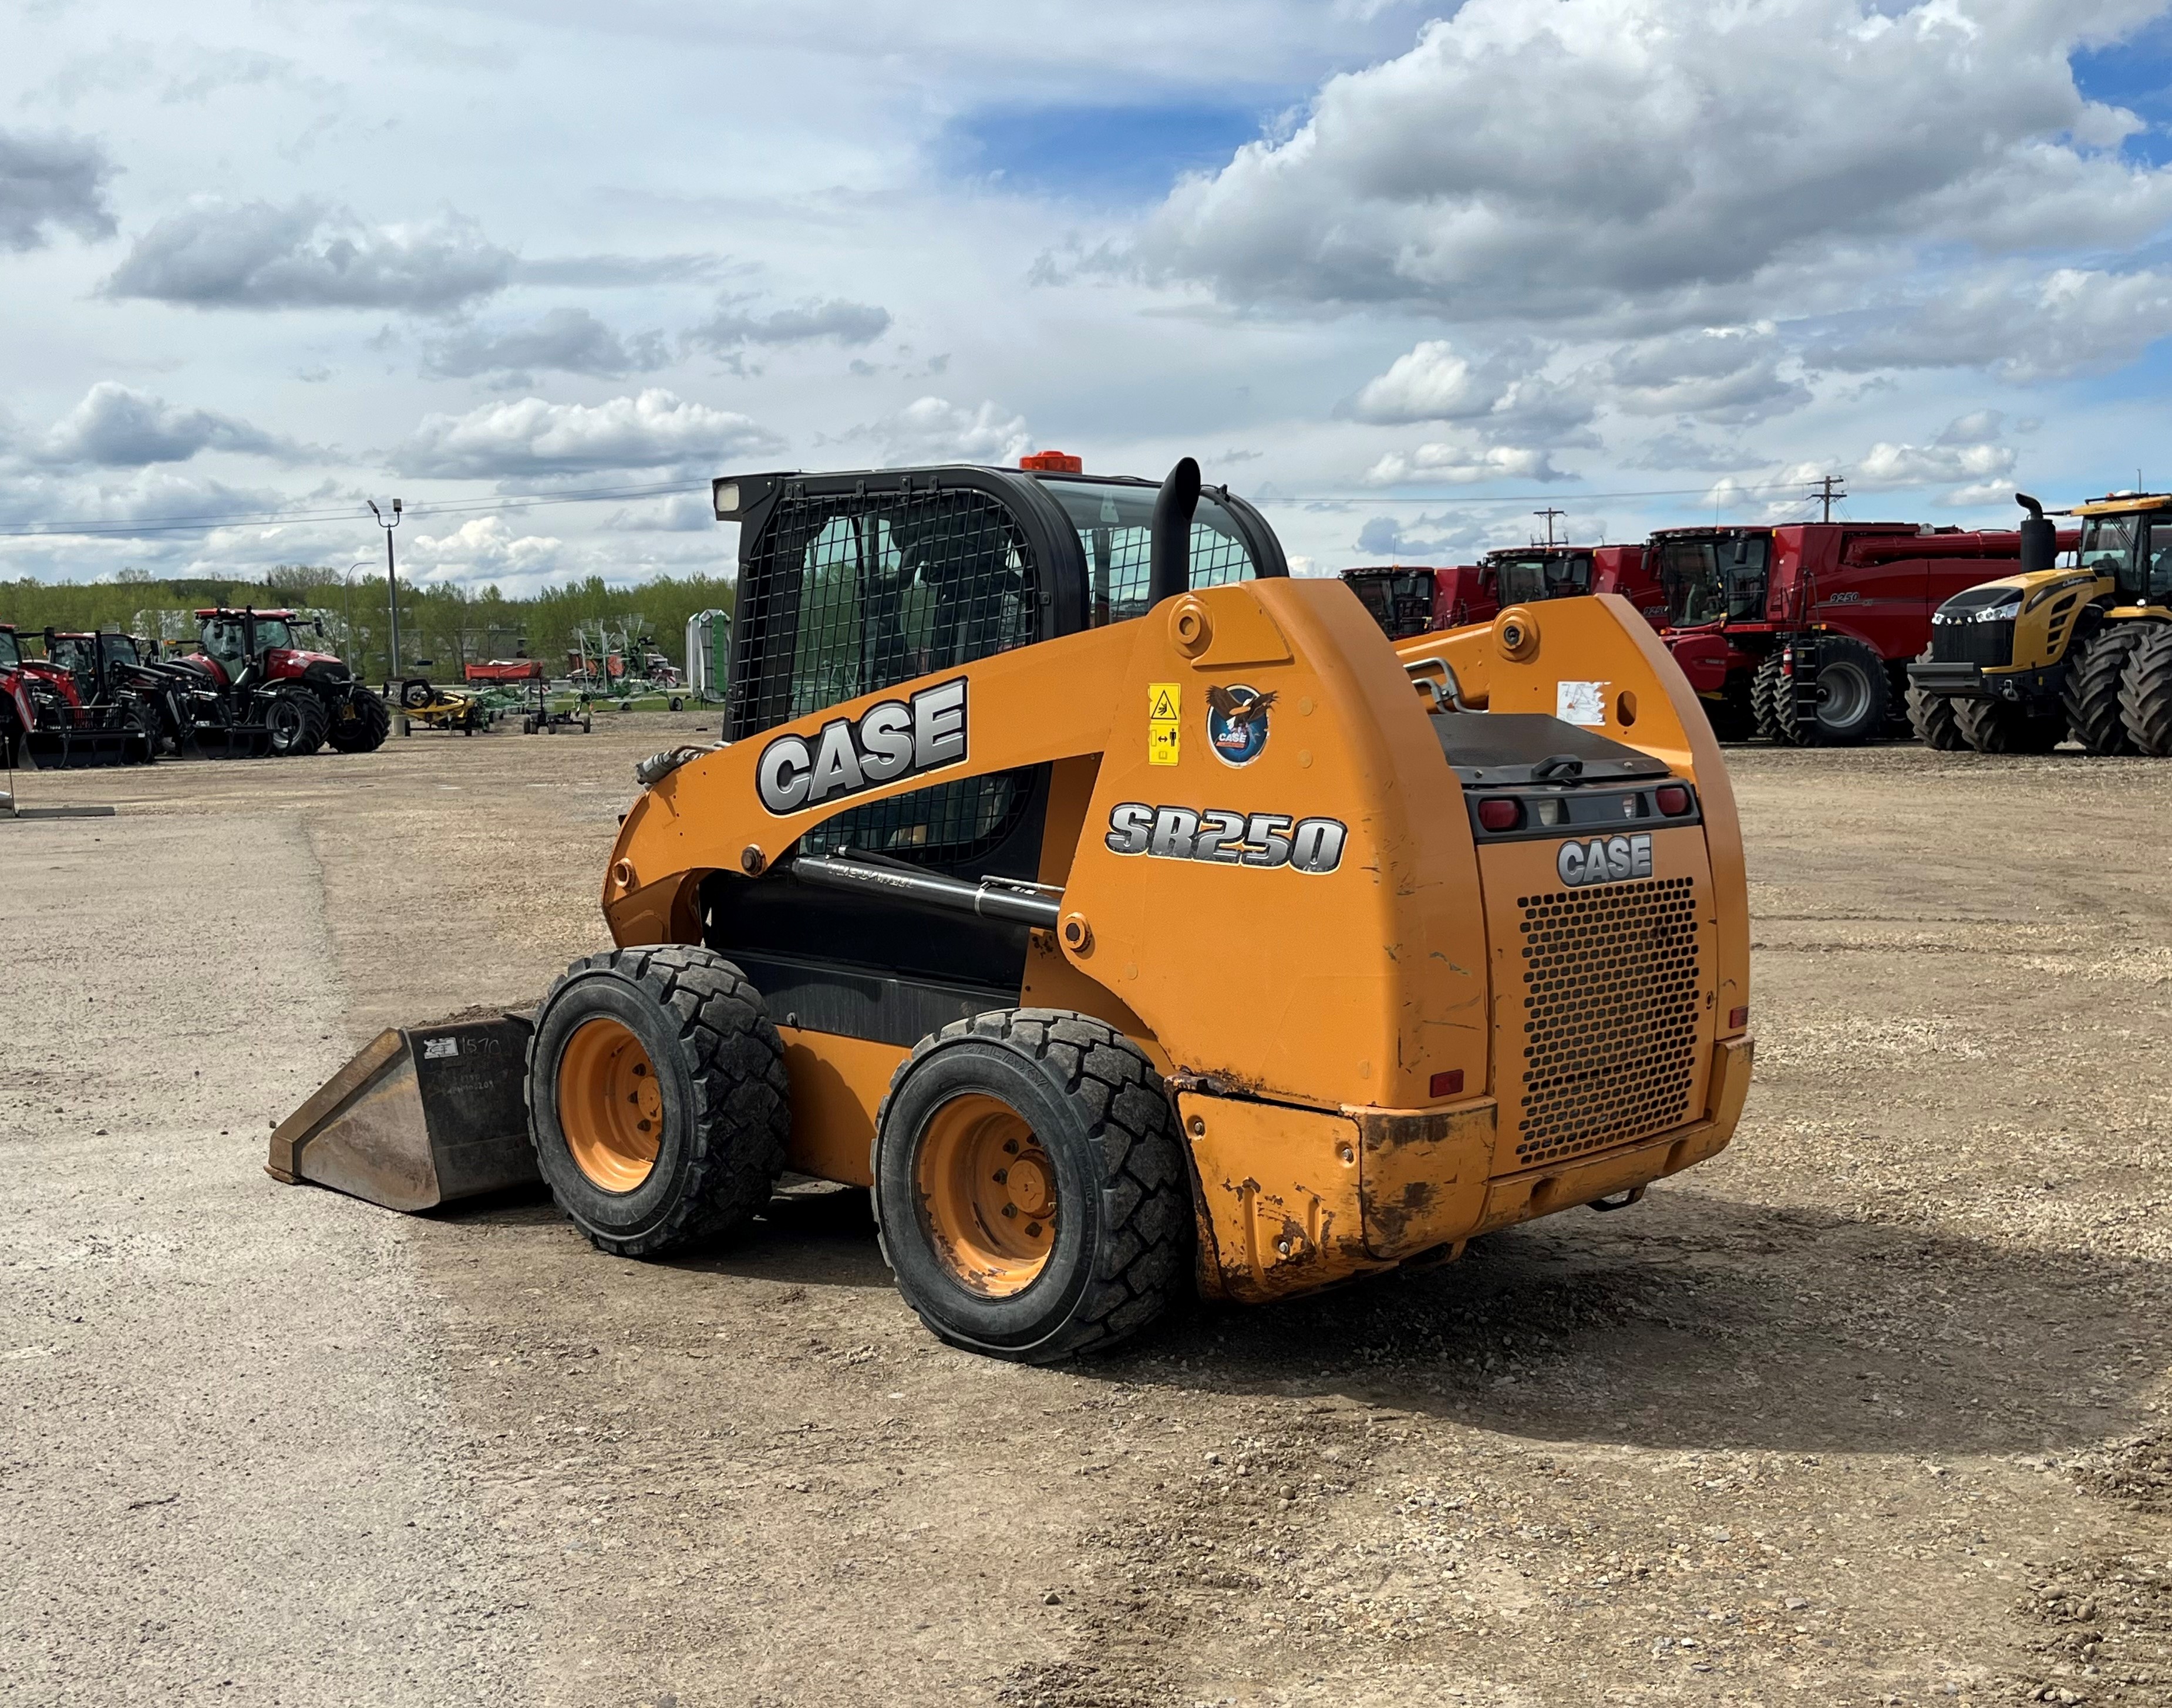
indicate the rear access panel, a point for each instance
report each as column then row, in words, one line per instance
column 1602, row 999
column 421, row 1116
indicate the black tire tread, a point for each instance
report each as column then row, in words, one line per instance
column 1932, row 718
column 366, row 731
column 316, row 721
column 742, row 1122
column 2091, row 694
column 1998, row 726
column 1798, row 733
column 1764, row 688
column 1146, row 1190
column 2145, row 693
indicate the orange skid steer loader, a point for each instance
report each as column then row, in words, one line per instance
column 1128, row 917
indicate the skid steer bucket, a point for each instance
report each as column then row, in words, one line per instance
column 423, row 1115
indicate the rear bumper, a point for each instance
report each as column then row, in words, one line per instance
column 1294, row 1199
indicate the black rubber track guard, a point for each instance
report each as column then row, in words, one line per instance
column 1105, row 1119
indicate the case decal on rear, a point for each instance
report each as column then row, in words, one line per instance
column 1605, row 860
column 1220, row 837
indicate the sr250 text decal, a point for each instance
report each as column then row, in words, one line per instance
column 1223, row 838
column 892, row 739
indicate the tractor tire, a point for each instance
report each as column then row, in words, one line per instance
column 1032, row 1191
column 1933, row 717
column 1854, row 698
column 364, row 725
column 1764, row 684
column 298, row 723
column 2145, row 693
column 2091, row 693
column 1998, row 726
column 657, row 1099
column 1731, row 716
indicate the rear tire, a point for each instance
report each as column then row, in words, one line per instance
column 1998, row 726
column 1933, row 718
column 299, row 722
column 2091, row 694
column 2145, row 694
column 1765, row 683
column 1099, row 1241
column 665, row 1051
column 1854, row 697
column 364, row 725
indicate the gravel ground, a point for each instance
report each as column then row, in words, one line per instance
column 1866, row 1410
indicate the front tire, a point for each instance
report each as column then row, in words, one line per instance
column 2145, row 693
column 298, row 723
column 1854, row 697
column 1031, row 1187
column 1932, row 718
column 1765, row 685
column 362, row 724
column 657, row 1099
column 2092, row 691
column 1998, row 726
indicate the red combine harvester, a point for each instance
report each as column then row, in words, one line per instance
column 263, row 676
column 1412, row 600
column 1802, row 633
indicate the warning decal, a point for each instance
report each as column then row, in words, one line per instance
column 1165, row 723
column 1581, row 702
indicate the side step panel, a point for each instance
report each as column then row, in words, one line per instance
column 423, row 1115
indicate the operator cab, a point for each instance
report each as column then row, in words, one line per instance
column 1533, row 573
column 1712, row 575
column 2127, row 536
column 1400, row 600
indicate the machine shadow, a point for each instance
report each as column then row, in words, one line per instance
column 1718, row 1325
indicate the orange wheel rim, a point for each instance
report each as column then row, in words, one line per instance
column 987, row 1195
column 611, row 1107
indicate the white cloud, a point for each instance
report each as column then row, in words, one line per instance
column 533, row 438
column 482, row 551
column 1655, row 163
column 1430, row 383
column 2023, row 326
column 565, row 340
column 51, row 179
column 1460, row 466
column 1446, row 539
column 850, row 323
column 117, row 426
column 222, row 255
column 934, row 430
column 1721, row 374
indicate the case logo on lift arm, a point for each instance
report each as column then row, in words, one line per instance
column 892, row 739
column 1605, row 860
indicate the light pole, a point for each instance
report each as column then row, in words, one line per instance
column 391, row 579
column 347, row 598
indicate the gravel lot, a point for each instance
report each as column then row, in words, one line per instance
column 1868, row 1410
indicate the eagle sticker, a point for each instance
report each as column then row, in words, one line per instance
column 1237, row 723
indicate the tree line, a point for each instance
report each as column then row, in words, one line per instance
column 446, row 624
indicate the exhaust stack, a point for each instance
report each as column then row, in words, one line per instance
column 2040, row 539
column 1170, row 538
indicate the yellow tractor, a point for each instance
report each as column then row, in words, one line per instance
column 2082, row 649
column 1129, row 917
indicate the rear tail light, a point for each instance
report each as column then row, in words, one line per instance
column 1737, row 1018
column 1500, row 814
column 1448, row 1084
column 1673, row 800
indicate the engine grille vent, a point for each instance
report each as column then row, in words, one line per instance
column 1611, row 1003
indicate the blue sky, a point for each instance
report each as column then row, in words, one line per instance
column 1404, row 273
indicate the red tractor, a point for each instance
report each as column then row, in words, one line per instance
column 1414, row 601
column 264, row 675
column 1802, row 633
column 56, row 715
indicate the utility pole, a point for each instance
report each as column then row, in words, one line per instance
column 1830, row 487
column 1550, row 513
column 391, row 579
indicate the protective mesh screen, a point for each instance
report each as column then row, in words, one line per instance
column 848, row 595
column 1113, row 527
